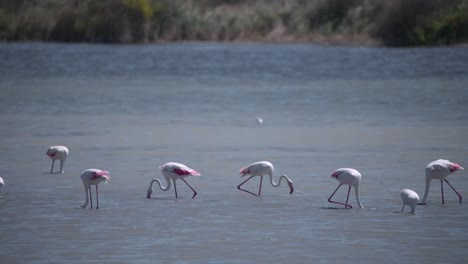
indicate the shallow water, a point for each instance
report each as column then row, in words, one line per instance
column 130, row 109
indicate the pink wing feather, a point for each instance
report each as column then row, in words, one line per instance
column 183, row 172
column 101, row 174
column 454, row 167
column 244, row 171
column 50, row 153
column 335, row 174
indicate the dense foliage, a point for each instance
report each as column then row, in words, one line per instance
column 390, row 22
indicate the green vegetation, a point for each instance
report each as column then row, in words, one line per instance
column 386, row 22
column 422, row 22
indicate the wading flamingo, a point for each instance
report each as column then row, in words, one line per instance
column 440, row 169
column 93, row 177
column 259, row 120
column 173, row 171
column 409, row 197
column 347, row 176
column 57, row 153
column 262, row 168
column 2, row 183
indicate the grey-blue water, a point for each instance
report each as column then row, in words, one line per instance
column 130, row 109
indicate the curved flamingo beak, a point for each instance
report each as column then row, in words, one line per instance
column 148, row 195
column 291, row 187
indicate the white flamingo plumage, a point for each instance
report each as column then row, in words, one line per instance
column 57, row 153
column 93, row 177
column 2, row 183
column 173, row 171
column 409, row 197
column 259, row 120
column 262, row 168
column 347, row 176
column 440, row 169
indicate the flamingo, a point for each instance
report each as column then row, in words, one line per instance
column 57, row 153
column 440, row 169
column 2, row 183
column 347, row 176
column 262, row 168
column 259, row 120
column 409, row 197
column 173, row 171
column 93, row 177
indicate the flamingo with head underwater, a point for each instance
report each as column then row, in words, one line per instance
column 173, row 171
column 409, row 197
column 262, row 168
column 57, row 153
column 347, row 176
column 93, row 177
column 440, row 169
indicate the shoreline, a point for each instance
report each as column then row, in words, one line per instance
column 332, row 42
column 381, row 23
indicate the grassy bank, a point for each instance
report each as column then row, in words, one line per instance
column 386, row 22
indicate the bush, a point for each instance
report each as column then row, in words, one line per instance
column 423, row 22
column 394, row 22
column 69, row 27
column 33, row 24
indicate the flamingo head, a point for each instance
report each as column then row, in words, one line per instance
column 148, row 194
column 291, row 187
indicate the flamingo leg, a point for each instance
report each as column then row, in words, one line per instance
column 345, row 204
column 329, row 198
column 97, row 197
column 347, row 198
column 442, row 188
column 90, row 197
column 194, row 192
column 459, row 195
column 52, row 168
column 239, row 186
column 260, row 188
column 175, row 188
column 403, row 208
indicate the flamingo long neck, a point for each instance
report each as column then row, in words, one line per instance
column 272, row 181
column 168, row 184
column 356, row 189
column 426, row 192
column 87, row 195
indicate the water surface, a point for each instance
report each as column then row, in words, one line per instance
column 130, row 109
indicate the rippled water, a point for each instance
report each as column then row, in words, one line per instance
column 130, row 109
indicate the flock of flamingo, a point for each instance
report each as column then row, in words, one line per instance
column 173, row 171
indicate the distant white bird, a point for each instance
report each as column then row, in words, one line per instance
column 93, row 177
column 347, row 176
column 409, row 197
column 57, row 153
column 259, row 120
column 173, row 171
column 262, row 168
column 440, row 169
column 2, row 183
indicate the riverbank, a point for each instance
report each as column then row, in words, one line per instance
column 362, row 22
